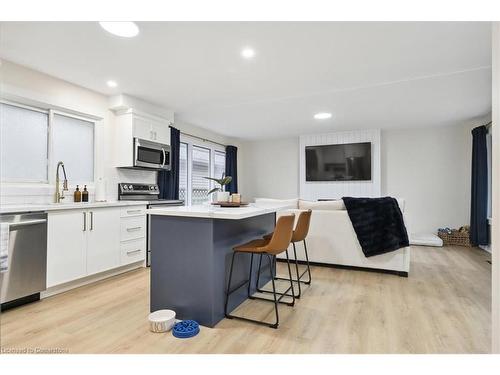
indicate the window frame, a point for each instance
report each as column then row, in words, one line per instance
column 51, row 111
column 212, row 147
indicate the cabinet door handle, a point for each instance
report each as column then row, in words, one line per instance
column 133, row 212
column 133, row 228
column 91, row 220
column 84, row 221
column 133, row 251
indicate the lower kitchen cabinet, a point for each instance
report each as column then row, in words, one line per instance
column 85, row 242
column 103, row 239
column 66, row 246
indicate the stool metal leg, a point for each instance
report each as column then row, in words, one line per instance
column 296, row 269
column 229, row 286
column 250, row 276
column 274, row 293
column 273, row 272
column 230, row 291
column 308, row 267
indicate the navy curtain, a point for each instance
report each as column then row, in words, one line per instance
column 479, row 188
column 232, row 168
column 168, row 181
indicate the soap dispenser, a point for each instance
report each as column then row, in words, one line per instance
column 77, row 196
column 85, row 194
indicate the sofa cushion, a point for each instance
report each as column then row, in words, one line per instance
column 288, row 203
column 335, row 205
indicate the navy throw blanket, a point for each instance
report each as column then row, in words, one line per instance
column 378, row 223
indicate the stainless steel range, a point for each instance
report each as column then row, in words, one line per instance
column 150, row 194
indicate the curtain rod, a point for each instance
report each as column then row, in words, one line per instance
column 203, row 139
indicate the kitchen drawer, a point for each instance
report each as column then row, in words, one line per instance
column 133, row 211
column 132, row 251
column 132, row 227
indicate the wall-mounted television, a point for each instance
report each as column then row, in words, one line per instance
column 339, row 162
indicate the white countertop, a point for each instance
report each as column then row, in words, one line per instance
column 13, row 208
column 216, row 212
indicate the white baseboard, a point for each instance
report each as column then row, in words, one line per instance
column 486, row 248
column 90, row 279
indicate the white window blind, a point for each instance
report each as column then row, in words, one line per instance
column 73, row 144
column 200, row 169
column 219, row 164
column 183, row 172
column 23, row 144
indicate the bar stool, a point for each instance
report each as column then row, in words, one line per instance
column 276, row 244
column 299, row 234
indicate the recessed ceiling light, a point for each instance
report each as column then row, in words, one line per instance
column 247, row 53
column 111, row 83
column 322, row 115
column 125, row 29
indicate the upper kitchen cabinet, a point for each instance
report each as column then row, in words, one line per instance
column 150, row 128
column 130, row 125
column 148, row 123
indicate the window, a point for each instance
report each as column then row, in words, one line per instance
column 73, row 143
column 200, row 169
column 219, row 164
column 24, row 144
column 199, row 160
column 34, row 140
column 183, row 172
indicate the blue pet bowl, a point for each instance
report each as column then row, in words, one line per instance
column 186, row 329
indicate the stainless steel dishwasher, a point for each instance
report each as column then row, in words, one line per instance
column 26, row 275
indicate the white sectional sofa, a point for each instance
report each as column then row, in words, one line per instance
column 332, row 240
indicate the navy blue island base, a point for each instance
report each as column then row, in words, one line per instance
column 190, row 259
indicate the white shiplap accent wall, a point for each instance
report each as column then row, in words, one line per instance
column 339, row 189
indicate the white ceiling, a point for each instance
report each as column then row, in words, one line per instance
column 368, row 74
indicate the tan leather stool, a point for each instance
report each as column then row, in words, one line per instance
column 299, row 234
column 276, row 244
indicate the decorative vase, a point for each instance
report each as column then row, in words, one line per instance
column 223, row 196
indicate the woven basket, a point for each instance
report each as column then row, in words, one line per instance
column 455, row 238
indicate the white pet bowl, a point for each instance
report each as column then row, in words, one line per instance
column 161, row 320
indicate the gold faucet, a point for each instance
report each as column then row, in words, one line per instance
column 60, row 194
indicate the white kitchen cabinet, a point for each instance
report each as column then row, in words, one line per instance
column 132, row 235
column 66, row 246
column 84, row 242
column 160, row 132
column 103, row 244
column 131, row 124
column 151, row 129
column 142, row 128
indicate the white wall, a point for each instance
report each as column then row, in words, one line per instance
column 270, row 169
column 495, row 237
column 36, row 87
column 429, row 167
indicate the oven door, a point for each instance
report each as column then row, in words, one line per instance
column 151, row 155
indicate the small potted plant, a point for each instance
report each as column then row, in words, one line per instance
column 222, row 196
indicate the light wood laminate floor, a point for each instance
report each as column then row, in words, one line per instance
column 443, row 307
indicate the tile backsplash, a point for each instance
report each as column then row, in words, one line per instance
column 43, row 194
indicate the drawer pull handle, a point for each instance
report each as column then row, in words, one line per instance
column 133, row 251
column 133, row 229
column 130, row 212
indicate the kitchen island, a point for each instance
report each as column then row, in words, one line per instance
column 191, row 250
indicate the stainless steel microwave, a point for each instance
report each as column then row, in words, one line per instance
column 151, row 155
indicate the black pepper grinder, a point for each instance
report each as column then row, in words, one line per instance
column 85, row 194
